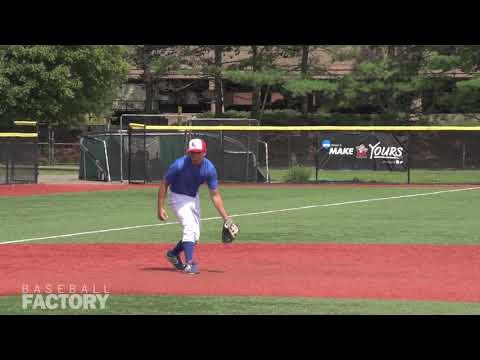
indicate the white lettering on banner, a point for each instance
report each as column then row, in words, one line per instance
column 383, row 152
column 376, row 151
column 340, row 151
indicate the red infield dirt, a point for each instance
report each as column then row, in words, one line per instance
column 400, row 272
column 51, row 188
column 46, row 189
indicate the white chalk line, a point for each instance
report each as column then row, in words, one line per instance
column 246, row 214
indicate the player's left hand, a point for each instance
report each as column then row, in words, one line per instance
column 230, row 231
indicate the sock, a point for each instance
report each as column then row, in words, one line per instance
column 188, row 247
column 178, row 248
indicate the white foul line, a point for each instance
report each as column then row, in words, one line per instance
column 246, row 214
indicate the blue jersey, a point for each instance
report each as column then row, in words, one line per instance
column 186, row 178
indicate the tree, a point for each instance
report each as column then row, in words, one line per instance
column 207, row 62
column 458, row 96
column 209, row 65
column 260, row 73
column 263, row 72
column 59, row 84
column 392, row 79
column 155, row 61
column 304, row 74
column 387, row 79
column 301, row 82
column 218, row 63
column 203, row 61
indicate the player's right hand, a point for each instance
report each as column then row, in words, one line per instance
column 162, row 214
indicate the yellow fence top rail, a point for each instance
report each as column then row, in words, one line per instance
column 18, row 135
column 25, row 123
column 136, row 126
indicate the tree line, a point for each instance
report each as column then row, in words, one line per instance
column 59, row 84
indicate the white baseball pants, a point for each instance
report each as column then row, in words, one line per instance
column 187, row 211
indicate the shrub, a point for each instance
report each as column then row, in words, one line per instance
column 298, row 174
column 227, row 114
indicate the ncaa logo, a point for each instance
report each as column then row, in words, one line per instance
column 326, row 144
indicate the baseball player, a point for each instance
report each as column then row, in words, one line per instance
column 181, row 182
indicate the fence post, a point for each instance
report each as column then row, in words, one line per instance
column 144, row 152
column 266, row 160
column 9, row 149
column 316, row 156
column 129, row 155
column 51, row 145
column 49, row 137
column 37, row 157
column 222, row 155
column 248, row 156
column 409, row 157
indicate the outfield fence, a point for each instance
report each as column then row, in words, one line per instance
column 243, row 151
column 19, row 154
column 384, row 154
column 59, row 153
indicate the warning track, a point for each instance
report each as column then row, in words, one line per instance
column 349, row 271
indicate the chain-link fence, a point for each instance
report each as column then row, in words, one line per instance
column 18, row 160
column 255, row 155
column 397, row 157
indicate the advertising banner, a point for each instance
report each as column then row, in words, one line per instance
column 361, row 151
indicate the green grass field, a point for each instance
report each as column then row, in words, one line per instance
column 444, row 218
column 235, row 305
column 439, row 219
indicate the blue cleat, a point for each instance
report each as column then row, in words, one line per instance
column 175, row 260
column 191, row 269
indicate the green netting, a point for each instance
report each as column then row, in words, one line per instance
column 151, row 154
column 93, row 160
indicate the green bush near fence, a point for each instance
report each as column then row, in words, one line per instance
column 298, row 174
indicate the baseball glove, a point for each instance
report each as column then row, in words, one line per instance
column 229, row 231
